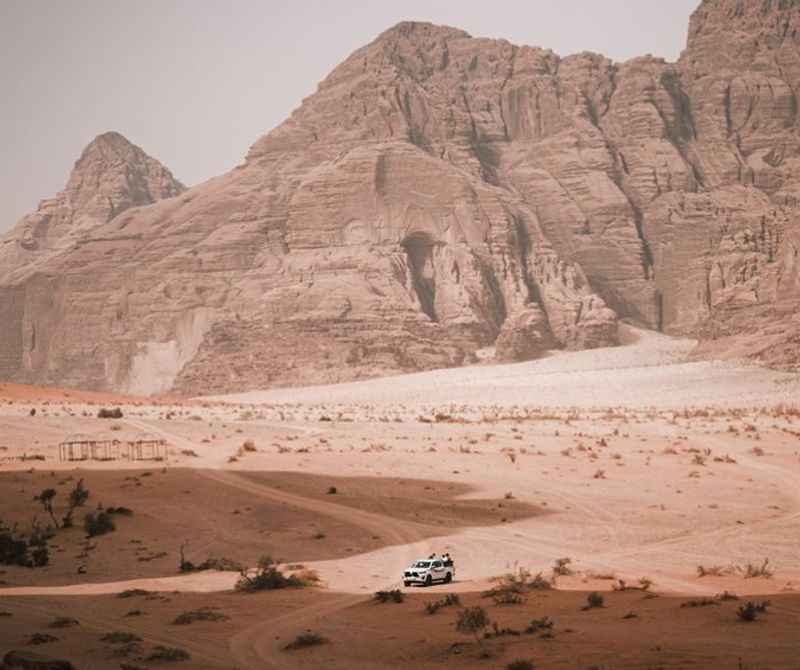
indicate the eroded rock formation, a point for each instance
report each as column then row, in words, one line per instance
column 438, row 194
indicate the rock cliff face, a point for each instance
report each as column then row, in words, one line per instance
column 438, row 194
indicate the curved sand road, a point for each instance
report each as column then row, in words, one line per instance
column 256, row 646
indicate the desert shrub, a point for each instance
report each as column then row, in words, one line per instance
column 712, row 571
column 307, row 639
column 622, row 585
column 520, row 664
column 221, row 564
column 536, row 625
column 46, row 498
column 105, row 413
column 594, row 600
column 472, row 621
column 267, row 578
column 98, row 523
column 126, row 651
column 702, row 602
column 508, row 598
column 501, row 632
column 332, row 491
column 518, row 583
column 120, row 511
column 13, row 550
column 41, row 638
column 162, row 654
column 120, row 637
column 249, row 445
column 561, row 567
column 77, row 498
column 753, row 570
column 750, row 611
column 726, row 595
column 3, row 613
column 40, row 556
column 133, row 593
column 450, row 600
column 63, row 622
column 202, row 614
column 395, row 595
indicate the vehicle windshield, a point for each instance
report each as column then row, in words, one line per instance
column 422, row 564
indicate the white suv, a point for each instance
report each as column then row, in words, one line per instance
column 429, row 571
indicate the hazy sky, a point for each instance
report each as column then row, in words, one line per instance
column 196, row 82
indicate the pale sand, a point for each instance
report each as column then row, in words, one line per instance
column 650, row 370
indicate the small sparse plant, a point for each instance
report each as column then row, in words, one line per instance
column 304, row 640
column 702, row 602
column 712, row 571
column 120, row 637
column 105, row 413
column 508, row 598
column 268, row 577
column 473, row 621
column 133, row 593
column 395, row 596
column 63, row 622
column 536, row 625
column 332, row 491
column 750, row 611
column 450, row 600
column 754, row 570
column 521, row 664
column 162, row 654
column 99, row 523
column 561, row 567
column 518, row 583
column 594, row 600
column 202, row 614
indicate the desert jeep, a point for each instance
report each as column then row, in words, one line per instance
column 428, row 572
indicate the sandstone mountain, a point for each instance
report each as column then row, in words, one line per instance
column 438, row 194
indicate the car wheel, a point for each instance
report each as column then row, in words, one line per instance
column 428, row 580
column 406, row 583
column 448, row 578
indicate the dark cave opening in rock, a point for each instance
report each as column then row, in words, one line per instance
column 419, row 251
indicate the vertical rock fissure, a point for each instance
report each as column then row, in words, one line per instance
column 419, row 252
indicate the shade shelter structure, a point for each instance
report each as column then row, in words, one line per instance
column 84, row 447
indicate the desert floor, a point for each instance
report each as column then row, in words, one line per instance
column 634, row 462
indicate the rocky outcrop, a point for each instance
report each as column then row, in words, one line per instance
column 111, row 176
column 438, row 194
